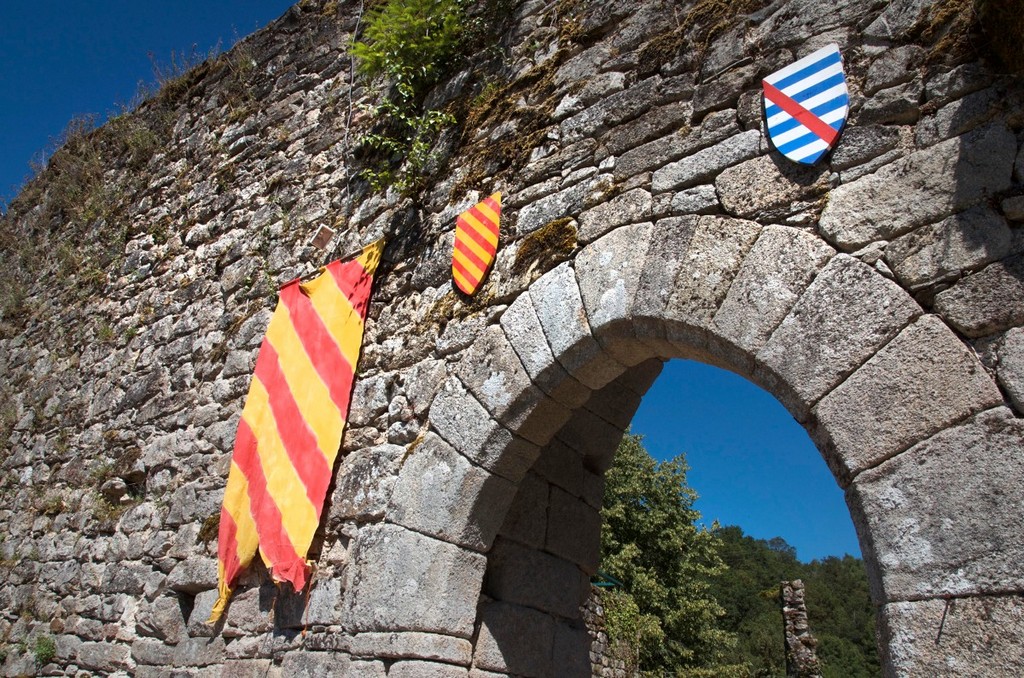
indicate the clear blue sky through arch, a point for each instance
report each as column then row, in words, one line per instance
column 751, row 463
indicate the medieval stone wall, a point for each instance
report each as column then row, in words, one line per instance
column 878, row 295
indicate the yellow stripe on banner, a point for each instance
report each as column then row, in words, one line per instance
column 483, row 229
column 486, row 210
column 371, row 256
column 298, row 515
column 463, row 282
column 338, row 316
column 474, row 247
column 311, row 394
column 468, row 264
column 236, row 501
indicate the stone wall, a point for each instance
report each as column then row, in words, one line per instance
column 879, row 296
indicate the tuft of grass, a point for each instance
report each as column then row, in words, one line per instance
column 44, row 650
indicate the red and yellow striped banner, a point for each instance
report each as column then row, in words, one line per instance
column 292, row 423
column 476, row 241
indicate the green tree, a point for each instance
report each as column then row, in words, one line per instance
column 650, row 542
column 838, row 606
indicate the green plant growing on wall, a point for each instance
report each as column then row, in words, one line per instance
column 408, row 44
column 44, row 650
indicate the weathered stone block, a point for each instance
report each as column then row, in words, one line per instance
column 651, row 124
column 954, row 637
column 1011, row 367
column 899, row 105
column 567, row 202
column 404, row 581
column 593, row 438
column 706, row 267
column 696, row 200
column 411, row 645
column 861, row 143
column 524, row 576
column 923, row 380
column 524, row 332
column 922, row 542
column 440, row 493
column 629, row 208
column 514, row 639
column 960, row 116
column 493, row 373
column 559, row 305
column 526, row 520
column 561, row 465
column 893, row 67
column 298, row 610
column 365, row 481
column 617, row 402
column 608, row 273
column 162, row 619
column 199, row 652
column 306, row 664
column 250, row 612
column 922, row 188
column 571, row 651
column 705, row 164
column 104, row 657
column 152, row 652
column 246, row 668
column 774, row 274
column 767, row 187
column 943, row 251
column 464, row 423
column 988, row 301
column 847, row 313
column 414, row 669
column 574, row 530
column 193, row 575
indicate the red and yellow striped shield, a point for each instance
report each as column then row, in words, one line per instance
column 476, row 241
column 292, row 423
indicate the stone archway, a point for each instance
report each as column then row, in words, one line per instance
column 906, row 417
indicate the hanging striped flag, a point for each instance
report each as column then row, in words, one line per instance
column 806, row 104
column 292, row 423
column 476, row 241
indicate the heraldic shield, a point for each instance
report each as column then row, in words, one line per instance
column 806, row 104
column 476, row 242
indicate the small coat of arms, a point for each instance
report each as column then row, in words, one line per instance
column 806, row 104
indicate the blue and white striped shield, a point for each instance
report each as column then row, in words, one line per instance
column 806, row 104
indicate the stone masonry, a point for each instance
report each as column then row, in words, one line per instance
column 878, row 295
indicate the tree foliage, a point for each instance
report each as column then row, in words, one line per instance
column 706, row 603
column 650, row 542
column 838, row 606
column 409, row 44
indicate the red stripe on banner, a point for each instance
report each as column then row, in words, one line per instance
column 469, row 232
column 486, row 223
column 299, row 441
column 274, row 541
column 321, row 346
column 468, row 252
column 802, row 115
column 353, row 281
column 467, row 275
column 493, row 204
column 227, row 547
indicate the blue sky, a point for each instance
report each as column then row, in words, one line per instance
column 751, row 463
column 65, row 58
